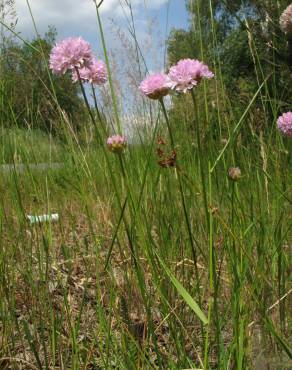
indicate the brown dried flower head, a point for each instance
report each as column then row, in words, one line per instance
column 160, row 141
column 168, row 161
column 165, row 160
column 286, row 20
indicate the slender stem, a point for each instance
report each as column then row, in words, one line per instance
column 180, row 184
column 211, row 277
column 95, row 103
column 206, row 350
column 131, row 245
column 211, row 252
column 201, row 158
column 110, row 80
column 126, row 184
column 99, row 4
column 85, row 97
column 189, row 228
column 168, row 123
column 97, row 110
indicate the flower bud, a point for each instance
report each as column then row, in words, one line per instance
column 234, row 173
column 116, row 143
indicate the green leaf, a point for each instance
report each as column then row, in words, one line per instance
column 182, row 291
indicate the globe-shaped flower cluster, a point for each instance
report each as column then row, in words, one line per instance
column 286, row 20
column 156, row 85
column 95, row 73
column 284, row 123
column 116, row 143
column 182, row 77
column 75, row 54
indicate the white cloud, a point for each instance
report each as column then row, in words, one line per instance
column 74, row 16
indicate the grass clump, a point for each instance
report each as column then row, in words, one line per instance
column 171, row 250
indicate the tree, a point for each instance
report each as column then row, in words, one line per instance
column 249, row 44
column 31, row 96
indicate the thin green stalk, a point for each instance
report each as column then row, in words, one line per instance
column 200, row 156
column 96, row 107
column 85, row 98
column 110, row 80
column 211, row 275
column 131, row 245
column 189, row 228
column 181, row 190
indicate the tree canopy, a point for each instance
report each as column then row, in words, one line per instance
column 30, row 95
column 247, row 38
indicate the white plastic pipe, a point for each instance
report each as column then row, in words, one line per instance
column 42, row 218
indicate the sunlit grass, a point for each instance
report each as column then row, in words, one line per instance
column 149, row 267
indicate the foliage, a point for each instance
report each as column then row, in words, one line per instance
column 30, row 92
column 32, row 146
column 181, row 44
column 249, row 44
column 157, row 240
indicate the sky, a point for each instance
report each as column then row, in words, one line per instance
column 78, row 18
column 153, row 21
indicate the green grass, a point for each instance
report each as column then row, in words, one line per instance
column 150, row 267
column 28, row 146
column 95, row 288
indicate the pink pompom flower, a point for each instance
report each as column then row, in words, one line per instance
column 70, row 53
column 156, row 86
column 116, row 143
column 187, row 73
column 286, row 20
column 95, row 73
column 284, row 123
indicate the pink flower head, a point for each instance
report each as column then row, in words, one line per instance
column 284, row 123
column 187, row 73
column 70, row 53
column 286, row 20
column 156, row 85
column 95, row 73
column 116, row 143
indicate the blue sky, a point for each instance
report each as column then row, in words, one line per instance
column 81, row 20
column 150, row 18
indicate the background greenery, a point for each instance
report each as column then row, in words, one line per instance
column 151, row 267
